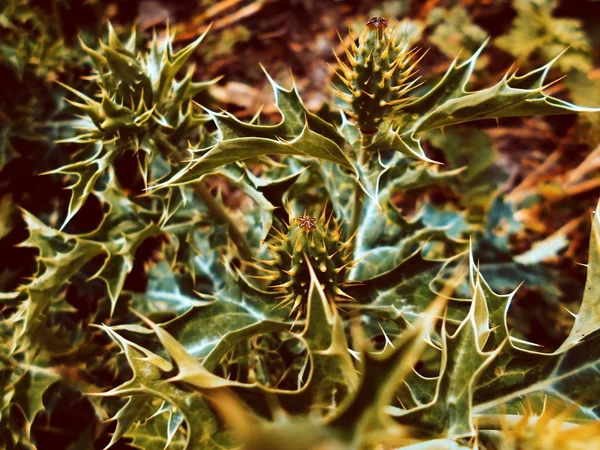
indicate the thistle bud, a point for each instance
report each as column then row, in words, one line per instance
column 308, row 241
column 379, row 76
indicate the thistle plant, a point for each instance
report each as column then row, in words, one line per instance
column 318, row 245
column 321, row 316
column 141, row 108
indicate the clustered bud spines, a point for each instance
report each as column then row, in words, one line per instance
column 552, row 429
column 379, row 76
column 308, row 241
column 139, row 98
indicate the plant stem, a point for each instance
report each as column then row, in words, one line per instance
column 359, row 194
column 357, row 208
column 221, row 215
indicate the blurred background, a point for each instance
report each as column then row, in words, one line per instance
column 548, row 166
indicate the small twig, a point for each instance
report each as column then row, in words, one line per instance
column 501, row 421
column 214, row 11
column 227, row 21
column 589, row 164
column 582, row 187
column 534, row 177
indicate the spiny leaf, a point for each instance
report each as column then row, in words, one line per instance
column 463, row 361
column 385, row 237
column 587, row 319
column 87, row 171
column 307, row 143
column 382, row 373
column 127, row 415
column 160, row 431
column 62, row 255
column 235, row 306
column 149, row 379
column 449, row 102
column 521, row 372
column 140, row 106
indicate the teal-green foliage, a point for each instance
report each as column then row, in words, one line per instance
column 320, row 314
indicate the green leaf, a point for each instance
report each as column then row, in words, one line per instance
column 385, row 237
column 239, row 174
column 381, row 374
column 333, row 376
column 235, row 306
column 587, row 319
column 470, row 149
column 521, row 373
column 463, row 362
column 307, row 143
column 164, row 294
column 87, row 171
column 339, row 184
column 299, row 133
column 403, row 293
column 455, row 31
column 294, row 119
column 30, row 387
column 150, row 379
column 449, row 102
column 127, row 415
column 391, row 138
column 61, row 255
column 155, row 432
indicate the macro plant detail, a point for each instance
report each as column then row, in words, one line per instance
column 308, row 243
column 380, row 76
column 342, row 304
column 141, row 108
column 447, row 103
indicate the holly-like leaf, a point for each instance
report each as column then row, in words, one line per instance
column 403, row 293
column 522, row 373
column 61, row 255
column 235, row 306
column 365, row 410
column 306, row 143
column 481, row 176
column 140, row 108
column 449, row 102
column 299, row 133
column 154, row 433
column 587, row 320
column 385, row 237
column 150, row 380
column 462, row 363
